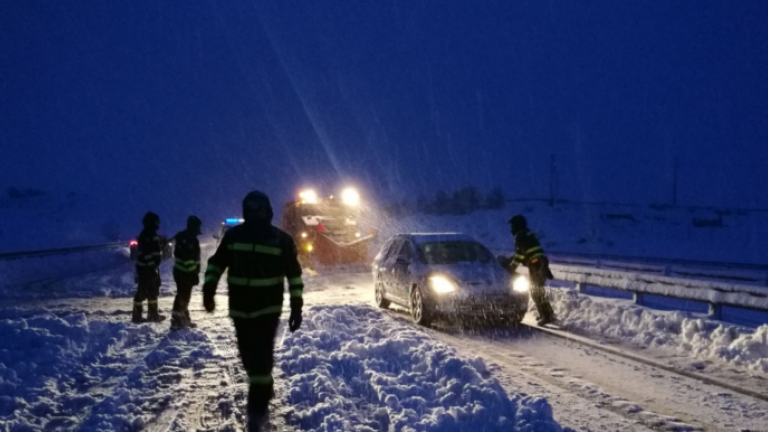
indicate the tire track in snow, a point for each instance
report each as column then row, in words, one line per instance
column 685, row 404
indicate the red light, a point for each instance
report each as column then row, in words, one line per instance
column 133, row 243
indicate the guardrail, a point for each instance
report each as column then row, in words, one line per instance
column 646, row 259
column 711, row 270
column 59, row 251
column 716, row 294
column 740, row 273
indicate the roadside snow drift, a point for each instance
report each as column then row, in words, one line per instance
column 353, row 368
column 76, row 373
column 696, row 337
column 115, row 280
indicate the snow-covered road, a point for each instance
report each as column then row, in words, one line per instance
column 77, row 364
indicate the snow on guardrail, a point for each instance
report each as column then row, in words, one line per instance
column 712, row 292
column 743, row 273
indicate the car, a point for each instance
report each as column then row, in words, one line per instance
column 447, row 276
column 133, row 247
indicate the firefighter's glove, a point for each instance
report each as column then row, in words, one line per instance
column 294, row 322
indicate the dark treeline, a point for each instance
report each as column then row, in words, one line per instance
column 457, row 202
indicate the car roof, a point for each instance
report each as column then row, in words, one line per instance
column 424, row 238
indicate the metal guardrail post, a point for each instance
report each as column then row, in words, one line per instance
column 715, row 311
column 668, row 270
column 638, row 298
column 581, row 288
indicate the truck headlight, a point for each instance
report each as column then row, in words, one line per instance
column 441, row 284
column 350, row 197
column 308, row 196
column 521, row 284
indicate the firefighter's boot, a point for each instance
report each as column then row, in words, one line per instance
column 152, row 314
column 138, row 311
column 189, row 322
column 256, row 422
column 178, row 320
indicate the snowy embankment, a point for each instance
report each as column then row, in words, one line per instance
column 107, row 273
column 87, row 373
column 15, row 273
column 699, row 338
column 354, row 368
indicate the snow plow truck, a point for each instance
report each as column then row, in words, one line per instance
column 327, row 231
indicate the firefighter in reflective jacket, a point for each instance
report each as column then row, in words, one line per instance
column 186, row 271
column 259, row 257
column 528, row 252
column 150, row 250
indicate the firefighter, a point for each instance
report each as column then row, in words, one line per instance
column 528, row 252
column 186, row 271
column 150, row 251
column 259, row 257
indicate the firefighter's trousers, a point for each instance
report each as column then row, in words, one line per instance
column 147, row 288
column 539, row 297
column 185, row 282
column 256, row 342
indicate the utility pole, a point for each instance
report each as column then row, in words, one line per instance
column 552, row 181
column 676, row 169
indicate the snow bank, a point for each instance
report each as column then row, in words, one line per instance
column 103, row 277
column 24, row 271
column 73, row 372
column 696, row 337
column 352, row 368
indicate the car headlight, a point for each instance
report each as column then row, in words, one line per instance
column 521, row 284
column 441, row 284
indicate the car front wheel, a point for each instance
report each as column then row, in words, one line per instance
column 419, row 310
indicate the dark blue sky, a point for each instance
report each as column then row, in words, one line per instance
column 191, row 104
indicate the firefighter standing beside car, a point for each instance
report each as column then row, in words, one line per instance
column 528, row 252
column 149, row 256
column 186, row 271
column 259, row 257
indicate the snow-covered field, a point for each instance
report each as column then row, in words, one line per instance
column 648, row 231
column 51, row 221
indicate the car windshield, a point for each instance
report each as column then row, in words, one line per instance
column 453, row 252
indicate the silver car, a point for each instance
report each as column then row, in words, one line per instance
column 447, row 275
